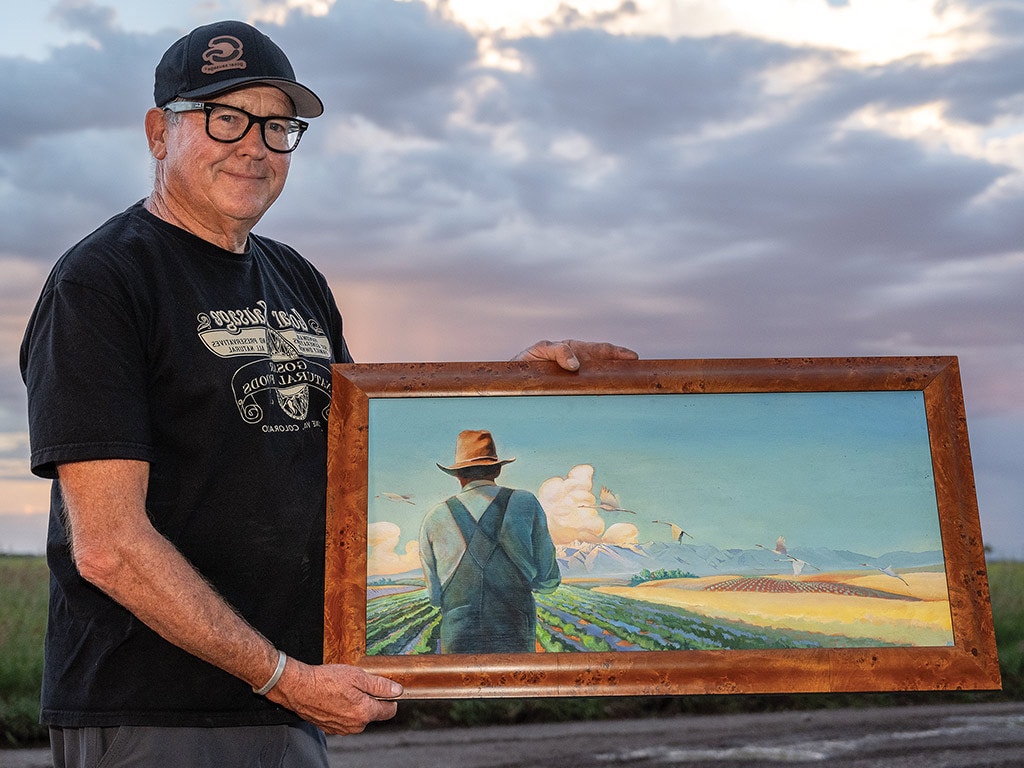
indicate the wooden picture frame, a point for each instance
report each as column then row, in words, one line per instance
column 756, row 403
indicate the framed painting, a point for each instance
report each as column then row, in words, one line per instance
column 656, row 527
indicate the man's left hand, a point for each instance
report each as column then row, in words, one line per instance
column 571, row 353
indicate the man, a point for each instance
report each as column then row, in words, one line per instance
column 485, row 551
column 177, row 367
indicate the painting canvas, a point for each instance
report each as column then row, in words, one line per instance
column 755, row 520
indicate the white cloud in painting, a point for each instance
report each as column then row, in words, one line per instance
column 622, row 534
column 383, row 557
column 570, row 506
column 572, row 511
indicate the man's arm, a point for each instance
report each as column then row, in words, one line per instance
column 117, row 549
column 571, row 353
column 545, row 555
column 429, row 563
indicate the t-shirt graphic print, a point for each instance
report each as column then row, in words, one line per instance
column 292, row 359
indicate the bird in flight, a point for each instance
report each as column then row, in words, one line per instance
column 780, row 549
column 677, row 532
column 888, row 571
column 608, row 502
column 397, row 497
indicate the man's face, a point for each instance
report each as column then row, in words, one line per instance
column 225, row 186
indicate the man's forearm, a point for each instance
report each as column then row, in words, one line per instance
column 118, row 549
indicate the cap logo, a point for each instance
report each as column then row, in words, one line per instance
column 225, row 52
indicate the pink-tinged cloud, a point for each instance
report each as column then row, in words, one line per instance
column 621, row 534
column 570, row 506
column 382, row 558
column 573, row 510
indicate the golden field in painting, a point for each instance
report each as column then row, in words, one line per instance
column 917, row 614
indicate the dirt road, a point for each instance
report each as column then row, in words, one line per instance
column 901, row 737
column 958, row 736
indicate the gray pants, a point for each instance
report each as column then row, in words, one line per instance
column 128, row 746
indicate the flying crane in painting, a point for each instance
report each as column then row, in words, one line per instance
column 888, row 571
column 397, row 497
column 677, row 532
column 608, row 502
column 797, row 563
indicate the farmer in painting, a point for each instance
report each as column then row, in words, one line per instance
column 485, row 551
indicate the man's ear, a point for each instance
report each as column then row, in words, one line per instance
column 156, row 132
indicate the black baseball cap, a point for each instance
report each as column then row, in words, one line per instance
column 226, row 55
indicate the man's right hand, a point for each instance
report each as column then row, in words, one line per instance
column 117, row 549
column 337, row 698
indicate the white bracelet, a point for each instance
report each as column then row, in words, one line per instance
column 281, row 659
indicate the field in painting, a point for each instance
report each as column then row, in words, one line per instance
column 879, row 609
column 833, row 610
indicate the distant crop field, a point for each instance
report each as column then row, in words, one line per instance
column 23, row 595
column 1006, row 581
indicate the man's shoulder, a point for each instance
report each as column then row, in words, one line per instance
column 286, row 258
column 277, row 246
column 278, row 250
column 121, row 225
column 523, row 500
column 521, row 493
column 111, row 244
column 440, row 508
column 120, row 235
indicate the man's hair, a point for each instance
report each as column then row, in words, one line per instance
column 172, row 118
column 485, row 472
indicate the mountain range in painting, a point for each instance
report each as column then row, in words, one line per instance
column 586, row 560
column 600, row 561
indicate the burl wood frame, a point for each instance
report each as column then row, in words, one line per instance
column 970, row 663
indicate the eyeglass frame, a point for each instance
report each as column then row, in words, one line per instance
column 208, row 106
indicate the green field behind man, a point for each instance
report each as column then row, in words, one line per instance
column 23, row 588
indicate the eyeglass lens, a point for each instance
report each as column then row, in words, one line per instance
column 228, row 124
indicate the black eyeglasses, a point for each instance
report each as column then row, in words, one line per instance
column 229, row 124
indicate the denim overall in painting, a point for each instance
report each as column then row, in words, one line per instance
column 487, row 606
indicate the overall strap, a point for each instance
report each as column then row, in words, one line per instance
column 481, row 536
column 494, row 516
column 467, row 525
column 490, row 521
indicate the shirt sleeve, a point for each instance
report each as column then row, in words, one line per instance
column 428, row 562
column 548, row 575
column 531, row 547
column 83, row 364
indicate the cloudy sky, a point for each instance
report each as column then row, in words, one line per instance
column 705, row 178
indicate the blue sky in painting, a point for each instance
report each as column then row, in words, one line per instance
column 847, row 471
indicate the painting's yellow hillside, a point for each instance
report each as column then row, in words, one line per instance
column 925, row 622
column 923, row 586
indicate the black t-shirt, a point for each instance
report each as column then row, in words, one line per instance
column 152, row 344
